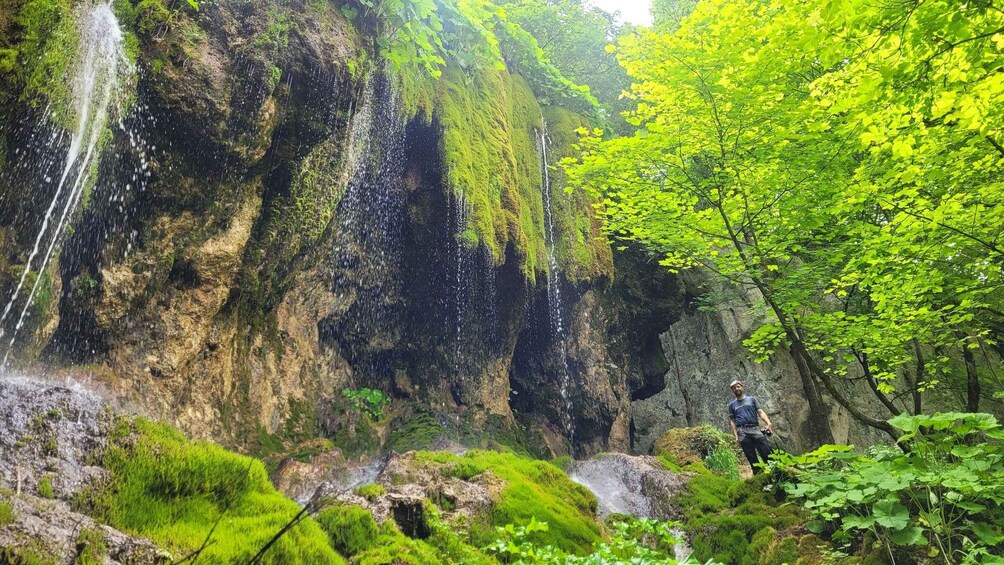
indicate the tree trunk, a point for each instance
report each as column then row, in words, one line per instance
column 972, row 380
column 819, row 422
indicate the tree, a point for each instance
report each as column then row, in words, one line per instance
column 805, row 149
column 574, row 37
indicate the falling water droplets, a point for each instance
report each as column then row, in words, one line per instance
column 100, row 68
column 554, row 304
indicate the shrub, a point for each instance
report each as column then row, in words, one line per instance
column 6, row 513
column 367, row 400
column 642, row 541
column 91, row 548
column 45, row 489
column 944, row 489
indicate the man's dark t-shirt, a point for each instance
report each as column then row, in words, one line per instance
column 744, row 411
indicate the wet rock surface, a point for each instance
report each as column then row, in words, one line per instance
column 405, row 484
column 49, row 431
column 51, row 528
column 50, row 436
column 633, row 485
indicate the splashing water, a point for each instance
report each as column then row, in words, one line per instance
column 554, row 304
column 101, row 65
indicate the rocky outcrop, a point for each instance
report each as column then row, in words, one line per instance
column 50, row 438
column 49, row 530
column 632, row 485
column 704, row 351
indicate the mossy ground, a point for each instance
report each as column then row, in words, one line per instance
column 175, row 491
column 742, row 522
column 534, row 489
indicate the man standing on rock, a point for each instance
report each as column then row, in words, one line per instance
column 743, row 414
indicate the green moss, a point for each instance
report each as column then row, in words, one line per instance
column 174, row 491
column 415, row 432
column 735, row 522
column 370, row 491
column 46, row 50
column 31, row 554
column 351, row 529
column 534, row 489
column 394, row 548
column 441, row 544
column 91, row 548
column 6, row 513
column 489, row 119
column 45, row 489
column 583, row 250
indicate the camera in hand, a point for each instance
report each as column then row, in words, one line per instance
column 767, row 432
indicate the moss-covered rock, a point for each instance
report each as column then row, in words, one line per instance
column 742, row 522
column 176, row 492
column 533, row 489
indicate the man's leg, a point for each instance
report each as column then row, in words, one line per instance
column 748, row 444
column 763, row 447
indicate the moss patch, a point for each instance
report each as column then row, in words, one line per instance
column 351, row 529
column 582, row 249
column 738, row 522
column 534, row 489
column 174, row 491
column 489, row 119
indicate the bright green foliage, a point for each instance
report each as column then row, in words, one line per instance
column 45, row 489
column 6, row 512
column 91, row 548
column 175, row 492
column 368, row 401
column 534, row 490
column 945, row 492
column 351, row 529
column 573, row 36
column 640, row 541
column 827, row 154
column 370, row 491
column 426, row 36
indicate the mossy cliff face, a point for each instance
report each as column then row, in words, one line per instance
column 303, row 223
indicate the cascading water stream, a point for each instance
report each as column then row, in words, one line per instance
column 100, row 68
column 554, row 304
column 463, row 269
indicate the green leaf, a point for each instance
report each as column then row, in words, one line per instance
column 891, row 514
column 909, row 536
column 858, row 522
column 987, row 534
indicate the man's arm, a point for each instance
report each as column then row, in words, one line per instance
column 763, row 416
column 735, row 433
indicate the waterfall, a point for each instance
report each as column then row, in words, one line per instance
column 554, row 304
column 367, row 253
column 463, row 269
column 100, row 67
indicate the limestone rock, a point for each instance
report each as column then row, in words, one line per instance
column 634, row 485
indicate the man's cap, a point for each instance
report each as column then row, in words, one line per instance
column 735, row 382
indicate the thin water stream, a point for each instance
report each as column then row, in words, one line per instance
column 554, row 304
column 100, row 69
